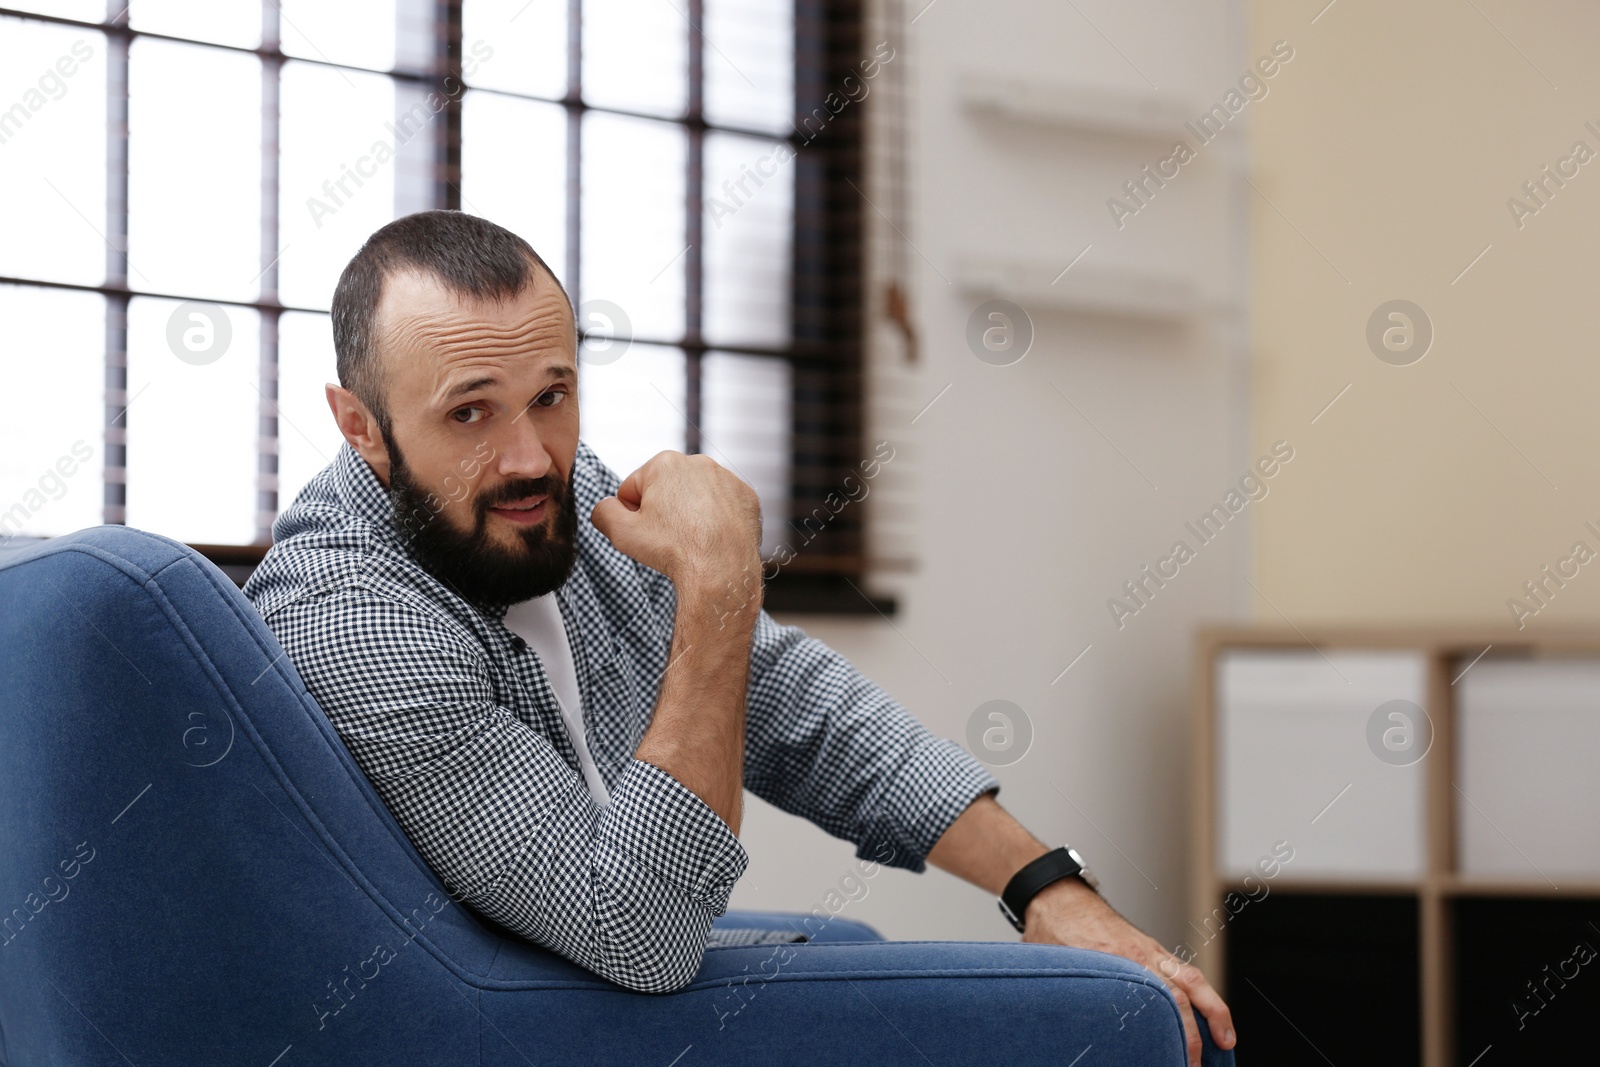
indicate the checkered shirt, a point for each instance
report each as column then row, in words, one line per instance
column 453, row 719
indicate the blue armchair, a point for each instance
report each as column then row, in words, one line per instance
column 195, row 871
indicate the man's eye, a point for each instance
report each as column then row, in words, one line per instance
column 467, row 416
column 550, row 399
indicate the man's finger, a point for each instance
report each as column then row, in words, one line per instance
column 1210, row 1004
column 631, row 491
column 608, row 516
column 1191, row 1030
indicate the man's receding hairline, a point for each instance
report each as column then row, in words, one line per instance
column 429, row 277
column 423, row 274
column 381, row 326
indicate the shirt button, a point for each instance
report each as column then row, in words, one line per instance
column 518, row 645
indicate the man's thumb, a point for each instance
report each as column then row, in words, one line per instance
column 610, row 517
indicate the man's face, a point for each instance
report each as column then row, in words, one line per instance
column 483, row 410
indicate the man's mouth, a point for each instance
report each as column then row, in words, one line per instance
column 526, row 512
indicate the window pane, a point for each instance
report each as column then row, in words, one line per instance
column 358, row 33
column 83, row 10
column 516, row 45
column 749, row 203
column 53, row 147
column 237, row 22
column 632, row 407
column 636, row 56
column 51, row 413
column 192, row 420
column 308, row 439
column 633, row 224
column 746, row 429
column 514, row 169
column 337, row 172
column 194, row 231
column 749, row 63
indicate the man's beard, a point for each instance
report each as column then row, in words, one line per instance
column 471, row 562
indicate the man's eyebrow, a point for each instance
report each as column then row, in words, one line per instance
column 468, row 386
column 559, row 372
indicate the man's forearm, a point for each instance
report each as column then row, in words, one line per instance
column 986, row 846
column 697, row 732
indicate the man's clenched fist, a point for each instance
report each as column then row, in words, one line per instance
column 687, row 517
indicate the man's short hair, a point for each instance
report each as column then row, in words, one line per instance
column 469, row 256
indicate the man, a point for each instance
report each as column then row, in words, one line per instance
column 556, row 679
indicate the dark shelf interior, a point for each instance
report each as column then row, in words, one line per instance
column 1314, row 979
column 1504, row 946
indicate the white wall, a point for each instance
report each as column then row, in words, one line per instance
column 1024, row 519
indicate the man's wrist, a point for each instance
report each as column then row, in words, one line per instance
column 1056, row 867
column 1069, row 894
column 732, row 604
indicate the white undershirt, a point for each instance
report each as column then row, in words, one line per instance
column 539, row 623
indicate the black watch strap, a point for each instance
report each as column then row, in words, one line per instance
column 1026, row 884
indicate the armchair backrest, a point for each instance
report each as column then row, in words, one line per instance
column 191, row 864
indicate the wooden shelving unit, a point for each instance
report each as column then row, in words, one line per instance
column 1446, row 651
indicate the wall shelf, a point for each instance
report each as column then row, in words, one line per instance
column 1153, row 296
column 1147, row 115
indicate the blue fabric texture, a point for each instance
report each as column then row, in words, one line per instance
column 196, row 871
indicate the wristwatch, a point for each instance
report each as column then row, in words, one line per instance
column 1048, row 869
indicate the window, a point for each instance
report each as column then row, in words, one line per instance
column 197, row 174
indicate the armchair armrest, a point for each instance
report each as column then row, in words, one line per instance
column 874, row 1002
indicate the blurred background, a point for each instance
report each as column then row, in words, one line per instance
column 1299, row 286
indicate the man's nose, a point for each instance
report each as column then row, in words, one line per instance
column 523, row 454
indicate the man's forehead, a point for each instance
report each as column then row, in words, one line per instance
column 419, row 316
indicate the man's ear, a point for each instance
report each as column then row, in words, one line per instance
column 360, row 427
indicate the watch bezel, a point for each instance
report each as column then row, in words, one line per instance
column 1084, row 872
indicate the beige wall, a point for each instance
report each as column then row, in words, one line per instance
column 1388, row 151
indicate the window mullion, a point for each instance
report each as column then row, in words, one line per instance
column 694, row 219
column 447, row 83
column 114, row 508
column 575, row 108
column 267, row 450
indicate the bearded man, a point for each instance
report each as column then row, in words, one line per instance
column 540, row 667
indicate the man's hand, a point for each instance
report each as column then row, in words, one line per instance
column 986, row 846
column 1070, row 913
column 687, row 517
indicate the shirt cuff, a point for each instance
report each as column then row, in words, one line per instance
column 663, row 826
column 932, row 788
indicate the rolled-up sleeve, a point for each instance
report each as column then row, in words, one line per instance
column 825, row 743
column 628, row 891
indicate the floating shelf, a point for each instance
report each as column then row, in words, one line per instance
column 1088, row 289
column 1131, row 113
